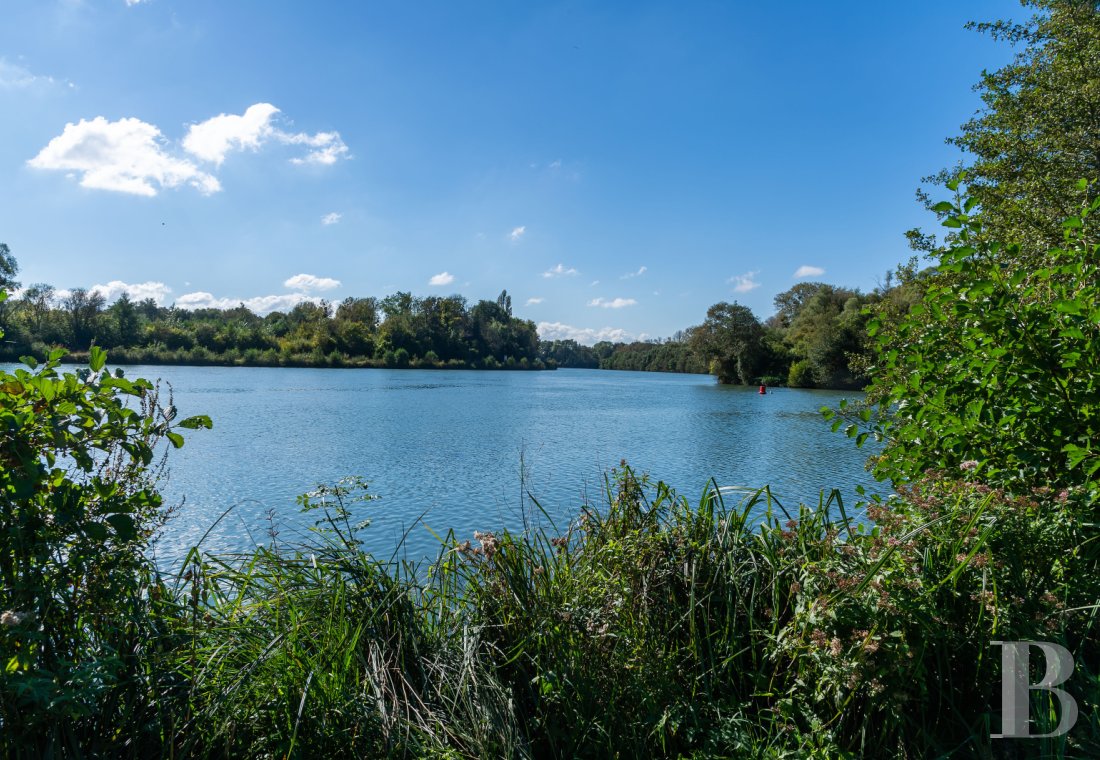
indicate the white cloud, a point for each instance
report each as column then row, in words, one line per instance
column 212, row 139
column 614, row 303
column 125, row 156
column 259, row 304
column 517, row 233
column 131, row 156
column 559, row 271
column 331, row 218
column 137, row 291
column 443, row 278
column 555, row 164
column 13, row 76
column 584, row 335
column 808, row 271
column 309, row 282
column 131, row 3
column 534, row 300
column 594, row 283
column 328, row 147
column 743, row 283
column 630, row 275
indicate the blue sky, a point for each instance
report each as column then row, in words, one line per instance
column 618, row 167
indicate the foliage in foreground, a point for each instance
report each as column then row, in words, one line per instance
column 650, row 627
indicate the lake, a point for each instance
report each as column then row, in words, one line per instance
column 445, row 449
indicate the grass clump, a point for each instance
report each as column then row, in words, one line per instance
column 651, row 627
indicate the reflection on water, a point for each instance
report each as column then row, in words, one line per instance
column 451, row 445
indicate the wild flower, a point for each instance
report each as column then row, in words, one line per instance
column 489, row 543
column 12, row 618
column 969, row 464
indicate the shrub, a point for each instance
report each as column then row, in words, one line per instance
column 77, row 506
column 801, row 374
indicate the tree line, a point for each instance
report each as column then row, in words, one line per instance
column 817, row 337
column 400, row 330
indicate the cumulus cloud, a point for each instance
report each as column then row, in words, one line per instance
column 517, row 233
column 309, row 283
column 631, row 275
column 137, row 291
column 261, row 305
column 213, row 139
column 584, row 335
column 443, row 278
column 559, row 271
column 743, row 283
column 535, row 300
column 808, row 271
column 614, row 303
column 131, row 3
column 331, row 218
column 126, row 156
column 132, row 156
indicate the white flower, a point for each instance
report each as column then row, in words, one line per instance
column 13, row 618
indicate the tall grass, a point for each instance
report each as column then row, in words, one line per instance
column 649, row 627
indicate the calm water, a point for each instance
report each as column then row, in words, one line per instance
column 448, row 445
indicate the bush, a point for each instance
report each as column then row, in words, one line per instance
column 77, row 505
column 801, row 375
column 996, row 365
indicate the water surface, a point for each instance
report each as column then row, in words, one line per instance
column 444, row 448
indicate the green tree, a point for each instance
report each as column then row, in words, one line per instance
column 38, row 301
column 125, row 316
column 9, row 268
column 731, row 339
column 83, row 309
column 827, row 333
column 1038, row 132
column 996, row 370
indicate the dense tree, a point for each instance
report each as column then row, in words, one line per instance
column 1038, row 132
column 731, row 339
column 83, row 309
column 818, row 330
column 126, row 320
column 37, row 301
column 997, row 367
column 825, row 333
column 363, row 311
column 568, row 353
column 9, row 268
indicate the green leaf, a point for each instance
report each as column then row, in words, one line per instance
column 97, row 357
column 123, row 525
column 196, row 422
column 95, row 531
column 944, row 207
column 1068, row 307
column 175, row 438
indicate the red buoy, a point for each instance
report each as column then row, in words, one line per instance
column 763, row 389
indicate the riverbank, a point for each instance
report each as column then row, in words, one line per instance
column 649, row 626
